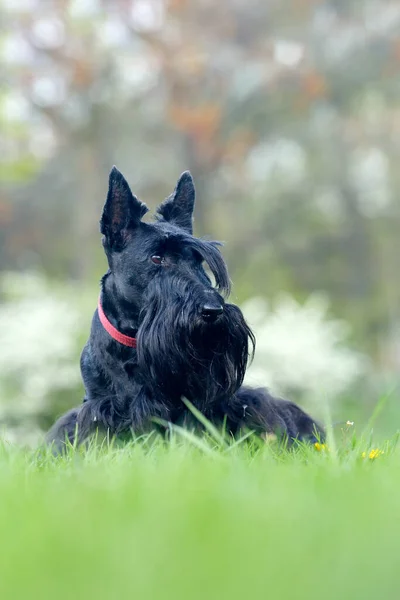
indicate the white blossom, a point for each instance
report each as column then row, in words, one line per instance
column 299, row 349
column 39, row 344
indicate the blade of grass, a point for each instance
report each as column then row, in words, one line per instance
column 196, row 441
column 380, row 405
column 212, row 430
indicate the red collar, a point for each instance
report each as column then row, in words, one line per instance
column 126, row 340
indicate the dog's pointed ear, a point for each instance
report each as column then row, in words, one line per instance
column 178, row 207
column 121, row 213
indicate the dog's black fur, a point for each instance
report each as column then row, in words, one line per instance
column 191, row 344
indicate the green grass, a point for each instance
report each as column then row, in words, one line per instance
column 200, row 519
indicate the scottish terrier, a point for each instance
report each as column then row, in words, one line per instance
column 163, row 333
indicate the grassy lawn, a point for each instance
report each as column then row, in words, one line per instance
column 201, row 520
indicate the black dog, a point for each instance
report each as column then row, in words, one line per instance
column 163, row 332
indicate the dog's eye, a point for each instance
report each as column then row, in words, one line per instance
column 157, row 260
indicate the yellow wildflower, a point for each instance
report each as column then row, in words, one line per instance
column 320, row 447
column 350, row 423
column 374, row 453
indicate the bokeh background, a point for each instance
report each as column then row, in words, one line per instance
column 287, row 113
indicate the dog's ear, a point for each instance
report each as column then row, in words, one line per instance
column 121, row 213
column 178, row 207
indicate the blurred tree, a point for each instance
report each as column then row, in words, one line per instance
column 286, row 113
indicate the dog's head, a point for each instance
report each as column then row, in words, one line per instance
column 142, row 253
column 159, row 273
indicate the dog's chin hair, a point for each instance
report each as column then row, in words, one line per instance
column 181, row 356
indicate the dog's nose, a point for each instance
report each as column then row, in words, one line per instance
column 210, row 312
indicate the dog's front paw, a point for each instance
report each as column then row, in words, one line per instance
column 258, row 410
column 297, row 423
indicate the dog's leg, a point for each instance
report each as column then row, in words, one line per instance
column 75, row 426
column 257, row 410
column 63, row 431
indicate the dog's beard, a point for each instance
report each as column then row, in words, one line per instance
column 180, row 355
